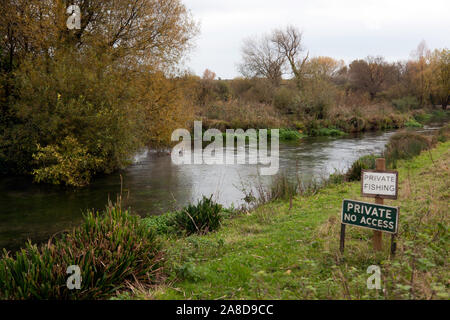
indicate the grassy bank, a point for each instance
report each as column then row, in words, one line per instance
column 290, row 251
column 282, row 249
column 338, row 122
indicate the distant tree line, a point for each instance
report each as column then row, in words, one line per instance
column 278, row 71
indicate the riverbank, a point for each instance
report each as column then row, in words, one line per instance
column 291, row 251
column 153, row 182
column 281, row 249
column 339, row 121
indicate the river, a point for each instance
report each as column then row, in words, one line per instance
column 153, row 185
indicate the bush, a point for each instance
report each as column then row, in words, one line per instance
column 284, row 100
column 201, row 218
column 330, row 132
column 290, row 135
column 406, row 103
column 364, row 163
column 162, row 224
column 412, row 123
column 112, row 251
column 443, row 134
column 405, row 145
column 68, row 163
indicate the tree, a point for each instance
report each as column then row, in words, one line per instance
column 325, row 68
column 102, row 91
column 439, row 77
column 420, row 66
column 208, row 75
column 289, row 45
column 370, row 75
column 261, row 58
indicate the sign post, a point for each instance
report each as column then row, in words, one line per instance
column 377, row 235
column 379, row 184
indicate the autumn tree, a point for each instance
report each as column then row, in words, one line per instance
column 370, row 75
column 439, row 77
column 325, row 68
column 100, row 92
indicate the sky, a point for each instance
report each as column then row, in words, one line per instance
column 345, row 29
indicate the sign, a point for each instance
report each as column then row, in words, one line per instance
column 371, row 216
column 379, row 184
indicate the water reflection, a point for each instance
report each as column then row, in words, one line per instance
column 154, row 185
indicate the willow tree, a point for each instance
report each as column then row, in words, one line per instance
column 90, row 97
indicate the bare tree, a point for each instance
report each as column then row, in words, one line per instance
column 289, row 44
column 261, row 58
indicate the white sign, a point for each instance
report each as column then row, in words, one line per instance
column 380, row 184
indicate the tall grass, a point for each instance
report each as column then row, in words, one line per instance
column 113, row 250
column 405, row 145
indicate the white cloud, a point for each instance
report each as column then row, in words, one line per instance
column 341, row 29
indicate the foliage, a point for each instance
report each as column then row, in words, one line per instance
column 107, row 89
column 67, row 163
column 406, row 103
column 405, row 145
column 201, row 218
column 412, row 123
column 161, row 224
column 443, row 134
column 364, row 163
column 113, row 250
column 290, row 135
column 285, row 99
column 327, row 132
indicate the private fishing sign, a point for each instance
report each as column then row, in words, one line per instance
column 376, row 184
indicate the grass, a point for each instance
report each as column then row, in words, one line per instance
column 291, row 251
column 412, row 123
column 113, row 250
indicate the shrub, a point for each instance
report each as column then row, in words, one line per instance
column 443, row 134
column 290, row 135
column 364, row 163
column 412, row 123
column 330, row 132
column 284, row 100
column 406, row 103
column 405, row 145
column 162, row 224
column 201, row 218
column 68, row 163
column 112, row 251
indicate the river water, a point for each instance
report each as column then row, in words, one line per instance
column 153, row 185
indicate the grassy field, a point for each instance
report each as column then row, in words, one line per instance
column 278, row 252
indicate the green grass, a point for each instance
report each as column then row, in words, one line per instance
column 330, row 132
column 284, row 135
column 278, row 252
column 412, row 123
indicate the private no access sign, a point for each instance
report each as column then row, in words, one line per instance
column 369, row 215
column 379, row 184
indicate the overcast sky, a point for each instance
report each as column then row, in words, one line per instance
column 346, row 29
